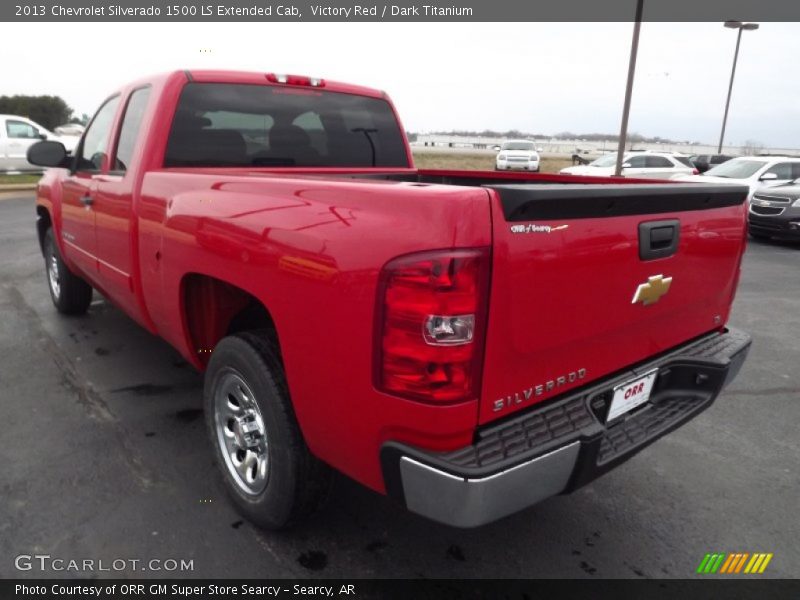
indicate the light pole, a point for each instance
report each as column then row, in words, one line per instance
column 741, row 27
column 626, row 109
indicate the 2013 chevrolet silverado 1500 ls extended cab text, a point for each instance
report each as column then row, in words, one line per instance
column 467, row 342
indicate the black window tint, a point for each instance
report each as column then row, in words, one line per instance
column 795, row 170
column 657, row 162
column 232, row 125
column 131, row 124
column 94, row 146
column 782, row 170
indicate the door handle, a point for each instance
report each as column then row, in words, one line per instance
column 87, row 200
column 659, row 239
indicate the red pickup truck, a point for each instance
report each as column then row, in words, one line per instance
column 469, row 343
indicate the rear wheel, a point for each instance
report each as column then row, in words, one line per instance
column 71, row 295
column 267, row 468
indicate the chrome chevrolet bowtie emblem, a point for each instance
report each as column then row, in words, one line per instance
column 651, row 292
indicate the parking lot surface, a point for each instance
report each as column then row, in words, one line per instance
column 104, row 455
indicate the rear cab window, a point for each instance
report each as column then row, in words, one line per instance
column 244, row 125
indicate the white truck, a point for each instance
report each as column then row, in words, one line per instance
column 17, row 134
column 517, row 155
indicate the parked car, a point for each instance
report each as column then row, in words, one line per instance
column 17, row 134
column 704, row 162
column 75, row 129
column 647, row 165
column 517, row 155
column 775, row 212
column 467, row 346
column 752, row 171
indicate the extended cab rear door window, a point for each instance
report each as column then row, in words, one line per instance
column 242, row 125
column 129, row 132
column 94, row 147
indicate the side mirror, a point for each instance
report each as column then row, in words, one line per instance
column 42, row 135
column 768, row 177
column 626, row 165
column 48, row 154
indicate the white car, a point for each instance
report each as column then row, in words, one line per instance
column 75, row 129
column 17, row 134
column 752, row 171
column 519, row 155
column 647, row 165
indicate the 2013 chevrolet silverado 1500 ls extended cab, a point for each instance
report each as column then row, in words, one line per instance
column 469, row 343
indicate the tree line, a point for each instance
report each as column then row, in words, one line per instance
column 47, row 111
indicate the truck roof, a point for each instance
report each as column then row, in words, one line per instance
column 252, row 78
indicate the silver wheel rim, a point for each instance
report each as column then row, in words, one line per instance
column 52, row 275
column 241, row 435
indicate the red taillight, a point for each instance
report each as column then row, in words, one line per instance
column 695, row 172
column 431, row 320
column 296, row 80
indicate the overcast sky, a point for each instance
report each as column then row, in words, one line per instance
column 536, row 77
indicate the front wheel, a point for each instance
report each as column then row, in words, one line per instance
column 71, row 295
column 268, row 470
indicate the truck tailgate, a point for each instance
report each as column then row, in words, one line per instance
column 590, row 279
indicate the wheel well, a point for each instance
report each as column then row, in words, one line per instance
column 43, row 223
column 214, row 309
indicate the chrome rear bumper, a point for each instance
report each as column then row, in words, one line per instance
column 561, row 445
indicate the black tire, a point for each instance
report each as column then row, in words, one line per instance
column 70, row 293
column 297, row 483
column 759, row 236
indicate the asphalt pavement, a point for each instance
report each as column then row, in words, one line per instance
column 104, row 456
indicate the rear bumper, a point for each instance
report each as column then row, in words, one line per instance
column 562, row 445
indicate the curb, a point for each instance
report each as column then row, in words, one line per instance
column 17, row 187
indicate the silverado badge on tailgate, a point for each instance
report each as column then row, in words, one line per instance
column 651, row 292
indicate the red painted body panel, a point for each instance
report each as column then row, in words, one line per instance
column 310, row 244
column 311, row 250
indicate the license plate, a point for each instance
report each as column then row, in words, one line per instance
column 631, row 394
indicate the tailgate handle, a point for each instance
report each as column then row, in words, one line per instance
column 658, row 239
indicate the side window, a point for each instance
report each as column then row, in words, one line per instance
column 782, row 170
column 21, row 130
column 129, row 133
column 657, row 162
column 796, row 170
column 637, row 162
column 95, row 142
